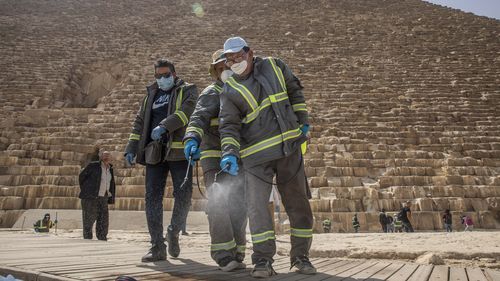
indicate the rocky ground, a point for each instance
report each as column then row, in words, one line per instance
column 478, row 248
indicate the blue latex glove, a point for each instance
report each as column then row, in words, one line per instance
column 304, row 128
column 129, row 158
column 157, row 132
column 229, row 164
column 191, row 148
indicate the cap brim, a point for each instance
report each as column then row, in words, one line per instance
column 217, row 61
column 233, row 50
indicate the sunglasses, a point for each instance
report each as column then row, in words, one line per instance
column 160, row 75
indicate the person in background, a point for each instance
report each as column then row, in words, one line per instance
column 355, row 223
column 327, row 225
column 45, row 224
column 97, row 190
column 405, row 217
column 398, row 225
column 467, row 222
column 447, row 220
column 382, row 218
column 390, row 223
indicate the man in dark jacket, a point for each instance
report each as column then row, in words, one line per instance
column 263, row 122
column 161, row 122
column 226, row 201
column 447, row 220
column 97, row 190
column 382, row 218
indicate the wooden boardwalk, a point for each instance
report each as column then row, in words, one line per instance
column 47, row 257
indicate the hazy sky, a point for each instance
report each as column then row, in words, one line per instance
column 488, row 8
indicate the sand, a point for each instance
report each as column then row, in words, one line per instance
column 478, row 248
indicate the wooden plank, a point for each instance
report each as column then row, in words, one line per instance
column 439, row 273
column 492, row 275
column 187, row 266
column 365, row 274
column 386, row 272
column 347, row 273
column 422, row 273
column 403, row 273
column 458, row 274
column 320, row 265
column 476, row 274
column 322, row 271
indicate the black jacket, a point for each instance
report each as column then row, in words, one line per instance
column 90, row 181
column 180, row 107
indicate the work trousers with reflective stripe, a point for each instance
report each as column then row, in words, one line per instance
column 227, row 215
column 156, row 179
column 291, row 183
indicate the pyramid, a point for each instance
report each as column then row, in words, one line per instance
column 404, row 98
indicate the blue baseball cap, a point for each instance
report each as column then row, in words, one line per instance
column 234, row 45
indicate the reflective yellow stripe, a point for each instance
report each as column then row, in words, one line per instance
column 178, row 102
column 197, row 130
column 182, row 116
column 217, row 88
column 177, row 145
column 244, row 92
column 241, row 248
column 230, row 140
column 279, row 73
column 211, row 154
column 223, row 246
column 265, row 103
column 134, row 137
column 303, row 147
column 144, row 104
column 270, row 142
column 299, row 107
column 263, row 237
column 301, row 232
column 214, row 122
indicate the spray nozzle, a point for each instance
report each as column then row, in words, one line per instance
column 220, row 171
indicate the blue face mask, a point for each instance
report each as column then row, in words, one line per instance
column 165, row 83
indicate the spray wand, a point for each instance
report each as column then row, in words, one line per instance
column 220, row 171
column 186, row 178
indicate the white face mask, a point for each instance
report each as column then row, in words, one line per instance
column 225, row 75
column 239, row 68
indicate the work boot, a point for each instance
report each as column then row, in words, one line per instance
column 263, row 269
column 303, row 265
column 173, row 242
column 156, row 253
column 228, row 264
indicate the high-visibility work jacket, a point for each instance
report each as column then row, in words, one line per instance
column 260, row 116
column 181, row 105
column 204, row 126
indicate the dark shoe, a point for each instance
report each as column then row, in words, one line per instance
column 303, row 265
column 156, row 253
column 228, row 264
column 185, row 233
column 262, row 269
column 173, row 243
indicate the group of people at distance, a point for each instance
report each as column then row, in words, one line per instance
column 248, row 129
